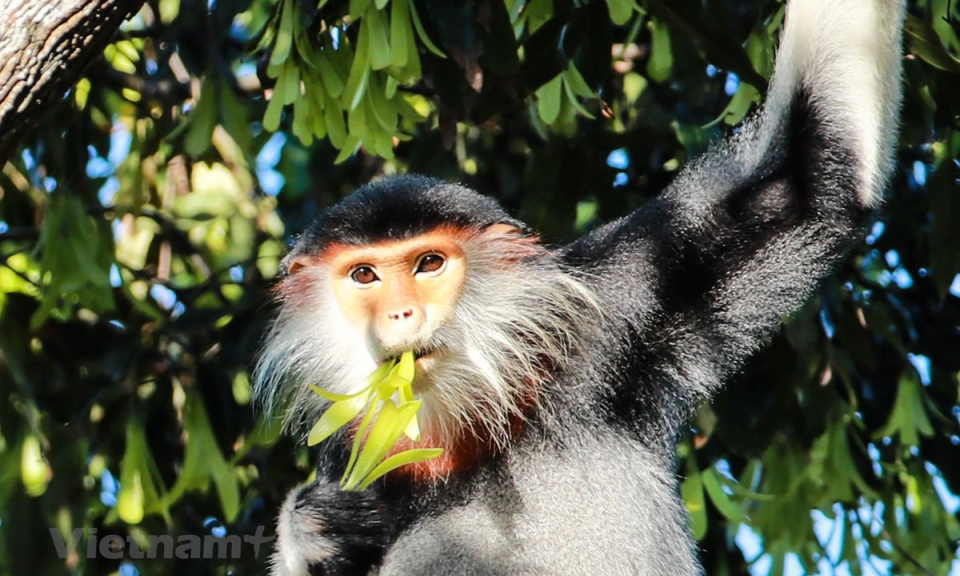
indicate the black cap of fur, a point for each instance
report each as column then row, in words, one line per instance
column 398, row 208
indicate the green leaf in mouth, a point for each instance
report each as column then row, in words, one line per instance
column 389, row 412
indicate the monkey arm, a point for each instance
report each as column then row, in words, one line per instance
column 702, row 274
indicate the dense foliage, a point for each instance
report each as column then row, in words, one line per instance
column 142, row 225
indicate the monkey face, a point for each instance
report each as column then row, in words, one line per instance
column 398, row 294
column 489, row 313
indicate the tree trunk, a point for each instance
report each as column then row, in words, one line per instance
column 44, row 47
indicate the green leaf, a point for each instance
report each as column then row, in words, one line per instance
column 718, row 47
column 302, row 124
column 724, row 504
column 169, row 9
column 227, row 488
column 388, row 420
column 412, row 429
column 381, row 109
column 691, row 490
column 406, row 366
column 760, row 46
column 422, row 33
column 909, row 417
column 140, row 482
column 924, row 42
column 380, row 56
column 350, row 146
column 358, row 8
column 76, row 255
column 336, row 127
column 841, row 462
column 743, row 492
column 621, row 10
column 401, row 34
column 398, row 460
column 338, row 415
column 660, row 64
column 579, row 86
column 271, row 118
column 359, row 436
column 130, row 497
column 204, row 461
column 383, row 144
column 390, row 87
column 633, row 86
column 389, row 426
column 290, row 79
column 693, row 137
column 332, row 397
column 359, row 73
column 738, row 106
column 329, row 78
column 234, row 118
column 573, row 100
column 548, row 99
column 357, row 120
column 203, row 120
column 313, row 91
column 34, row 470
column 285, row 31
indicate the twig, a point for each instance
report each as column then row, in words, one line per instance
column 889, row 538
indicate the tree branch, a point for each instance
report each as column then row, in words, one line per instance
column 44, row 47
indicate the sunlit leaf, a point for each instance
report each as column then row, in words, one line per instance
column 691, row 490
column 34, row 470
column 337, row 415
column 398, row 460
column 285, row 32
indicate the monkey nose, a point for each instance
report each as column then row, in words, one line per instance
column 404, row 314
column 399, row 324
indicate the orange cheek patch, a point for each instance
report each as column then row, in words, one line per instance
column 357, row 307
column 443, row 291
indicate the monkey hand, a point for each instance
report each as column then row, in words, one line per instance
column 325, row 530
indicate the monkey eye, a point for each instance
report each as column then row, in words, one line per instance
column 430, row 263
column 364, row 275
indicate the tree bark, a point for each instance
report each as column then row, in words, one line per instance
column 44, row 47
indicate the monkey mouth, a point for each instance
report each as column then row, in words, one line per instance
column 426, row 352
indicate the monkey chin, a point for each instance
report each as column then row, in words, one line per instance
column 426, row 358
column 426, row 363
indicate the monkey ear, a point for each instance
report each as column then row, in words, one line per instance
column 503, row 229
column 295, row 264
